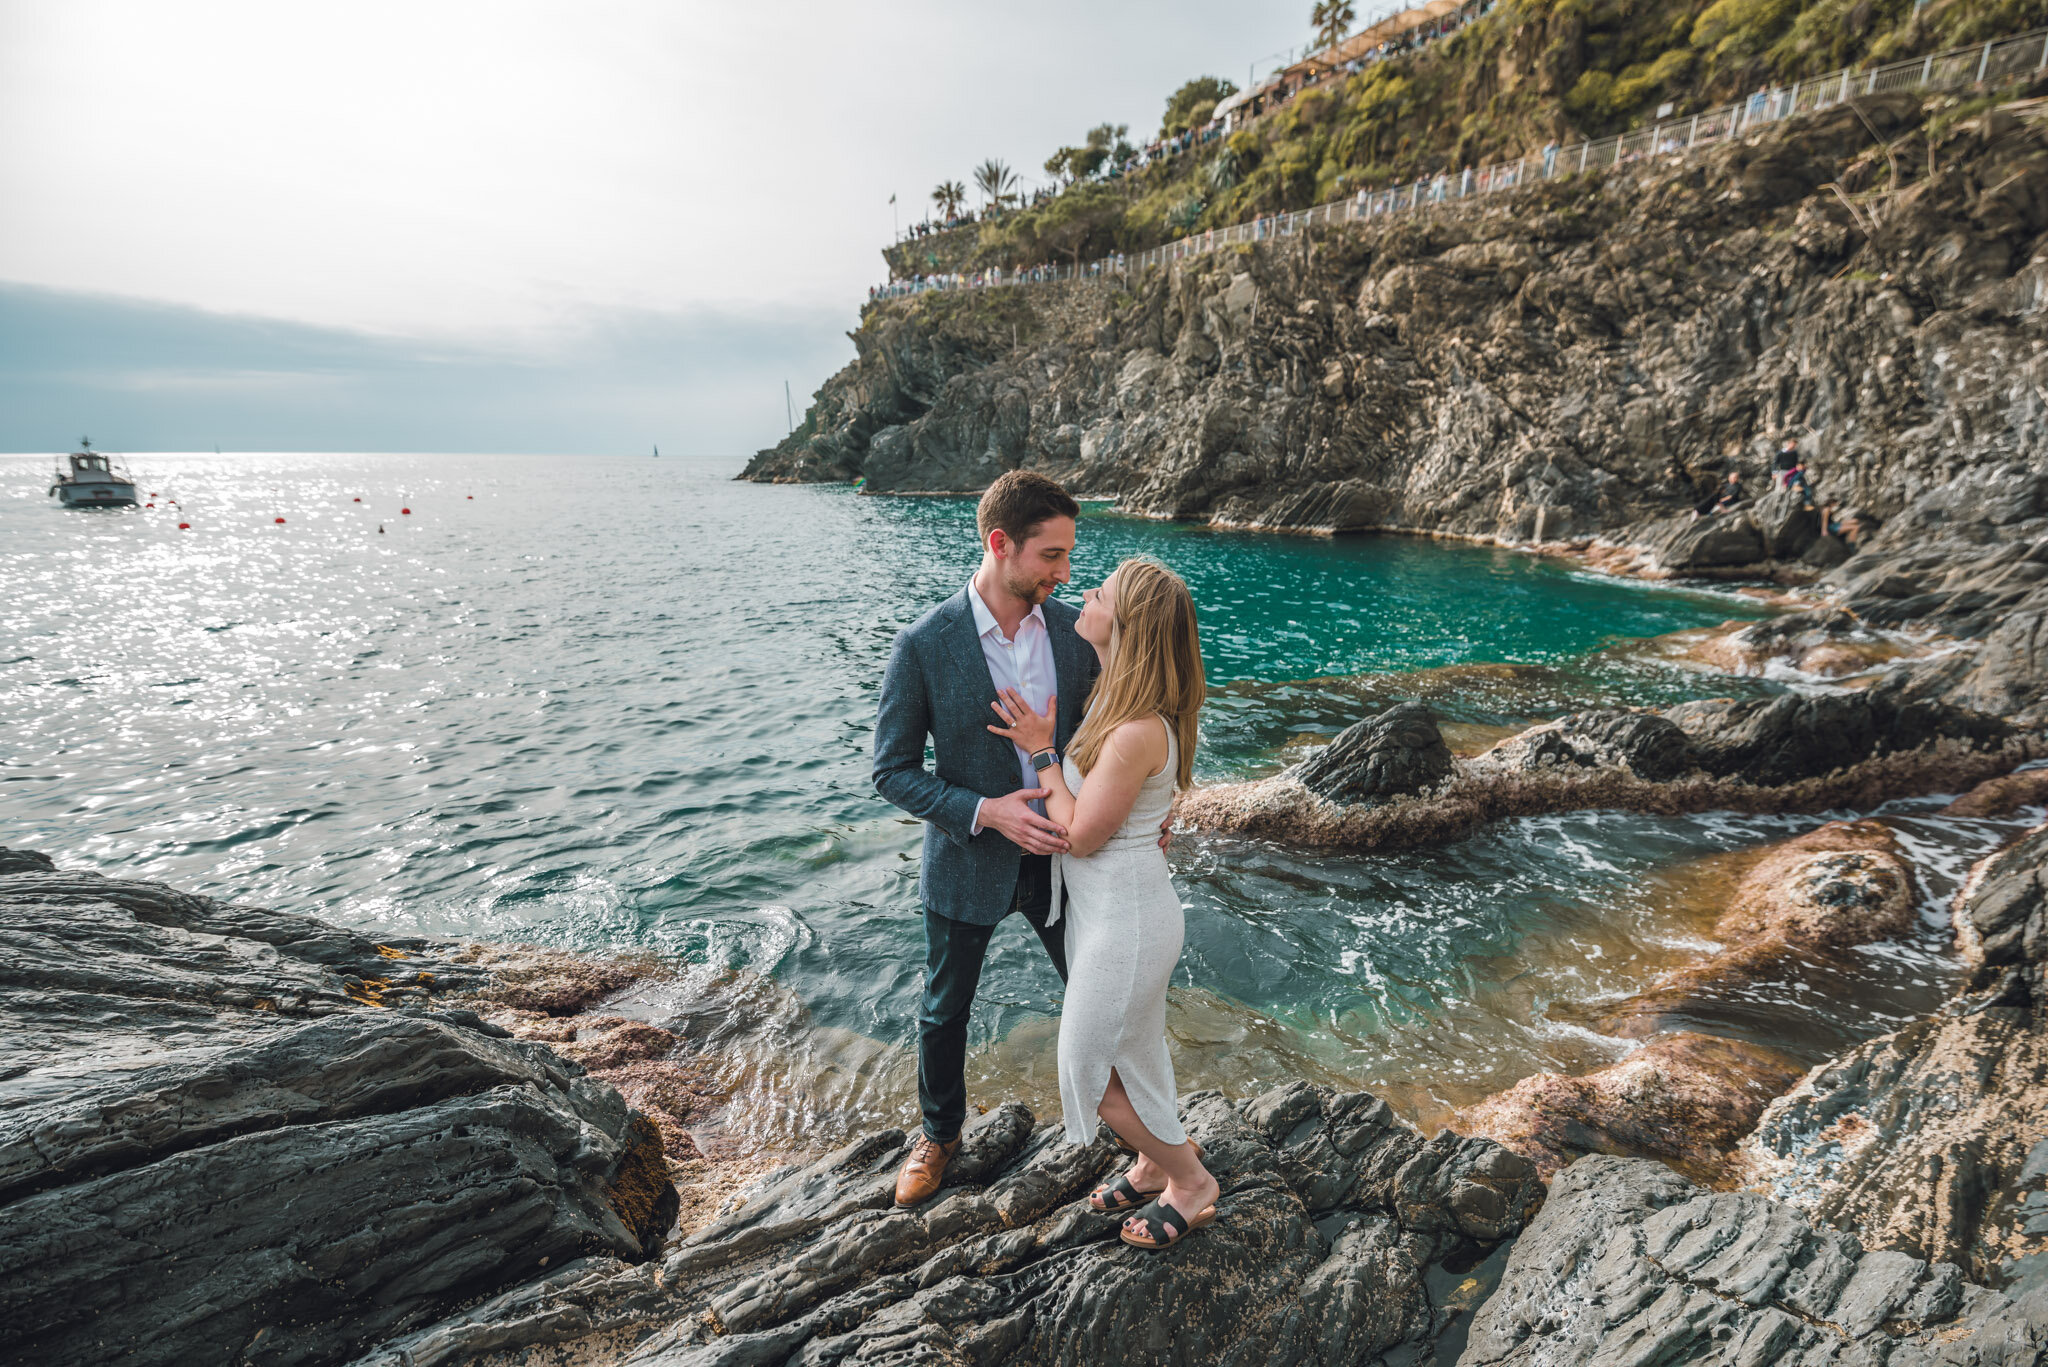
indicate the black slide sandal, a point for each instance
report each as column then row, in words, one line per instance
column 1160, row 1215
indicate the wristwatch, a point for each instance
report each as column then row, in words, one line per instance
column 1048, row 758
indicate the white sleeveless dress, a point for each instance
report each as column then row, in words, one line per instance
column 1124, row 933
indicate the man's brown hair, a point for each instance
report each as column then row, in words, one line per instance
column 1020, row 502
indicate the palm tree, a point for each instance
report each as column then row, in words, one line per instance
column 1332, row 19
column 949, row 195
column 995, row 181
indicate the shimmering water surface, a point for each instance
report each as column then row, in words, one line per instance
column 607, row 703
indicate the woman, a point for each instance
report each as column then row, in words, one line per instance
column 1110, row 792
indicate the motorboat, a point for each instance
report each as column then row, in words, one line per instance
column 94, row 481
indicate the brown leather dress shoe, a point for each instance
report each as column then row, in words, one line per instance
column 923, row 1170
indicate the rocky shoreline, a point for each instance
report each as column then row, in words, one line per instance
column 241, row 1135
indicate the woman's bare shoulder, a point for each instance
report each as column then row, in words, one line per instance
column 1141, row 740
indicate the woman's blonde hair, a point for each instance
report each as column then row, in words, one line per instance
column 1155, row 665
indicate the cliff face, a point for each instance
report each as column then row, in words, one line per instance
column 1529, row 368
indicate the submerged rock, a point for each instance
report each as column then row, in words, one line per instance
column 1631, row 1265
column 1845, row 884
column 233, row 1133
column 1827, row 642
column 1392, row 755
column 1686, row 1098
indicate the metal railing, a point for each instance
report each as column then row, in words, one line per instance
column 1997, row 59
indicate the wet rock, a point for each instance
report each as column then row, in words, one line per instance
column 1828, row 642
column 1396, row 753
column 1647, row 745
column 213, row 1142
column 1798, row 736
column 1924, row 1140
column 1336, row 1221
column 1685, row 1098
column 2002, row 796
column 1630, row 1264
column 1831, row 889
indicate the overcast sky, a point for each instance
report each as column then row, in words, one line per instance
column 572, row 226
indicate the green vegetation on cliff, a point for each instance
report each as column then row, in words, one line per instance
column 1527, row 73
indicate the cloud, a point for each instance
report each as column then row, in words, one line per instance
column 147, row 376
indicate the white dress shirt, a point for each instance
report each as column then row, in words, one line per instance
column 1023, row 662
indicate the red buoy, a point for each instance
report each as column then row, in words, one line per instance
column 471, row 497
column 359, row 500
column 406, row 511
column 149, row 505
column 280, row 522
column 184, row 526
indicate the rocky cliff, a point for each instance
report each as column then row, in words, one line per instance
column 1578, row 362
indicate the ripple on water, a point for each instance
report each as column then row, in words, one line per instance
column 615, row 704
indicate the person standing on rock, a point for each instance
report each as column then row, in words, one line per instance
column 987, row 842
column 1124, row 930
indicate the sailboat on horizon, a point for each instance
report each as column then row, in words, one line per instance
column 657, row 450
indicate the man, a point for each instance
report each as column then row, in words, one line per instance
column 987, row 842
column 1732, row 493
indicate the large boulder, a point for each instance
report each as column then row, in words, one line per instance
column 235, row 1134
column 1395, row 754
column 1787, row 523
column 1718, row 541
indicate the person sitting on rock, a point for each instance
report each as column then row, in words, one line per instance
column 1796, row 481
column 1783, row 462
column 1732, row 493
column 1726, row 497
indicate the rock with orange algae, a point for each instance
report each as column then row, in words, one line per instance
column 2002, row 796
column 211, row 1147
column 1841, row 885
column 1934, row 1139
column 1685, row 1098
column 1828, row 642
column 1792, row 752
column 1630, row 1264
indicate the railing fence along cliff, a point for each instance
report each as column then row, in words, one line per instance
column 1998, row 58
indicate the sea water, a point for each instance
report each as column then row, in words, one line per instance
column 613, row 704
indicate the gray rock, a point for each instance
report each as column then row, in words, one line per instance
column 1796, row 736
column 213, row 1147
column 1631, row 1265
column 1397, row 753
column 1719, row 541
column 1337, row 1221
column 1650, row 746
column 1787, row 524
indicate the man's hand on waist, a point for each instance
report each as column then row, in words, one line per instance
column 1011, row 815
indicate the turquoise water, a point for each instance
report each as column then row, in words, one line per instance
column 609, row 703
